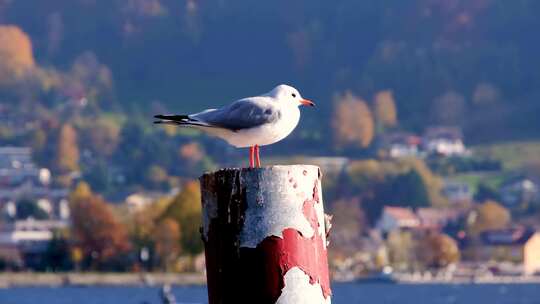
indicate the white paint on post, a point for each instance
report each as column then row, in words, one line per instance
column 298, row 289
column 279, row 205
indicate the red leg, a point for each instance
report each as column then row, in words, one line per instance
column 251, row 154
column 257, row 156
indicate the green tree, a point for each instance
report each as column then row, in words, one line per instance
column 57, row 255
column 28, row 208
column 409, row 189
column 185, row 209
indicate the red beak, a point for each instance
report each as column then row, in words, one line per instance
column 306, row 102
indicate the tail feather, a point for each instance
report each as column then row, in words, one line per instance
column 173, row 117
column 179, row 120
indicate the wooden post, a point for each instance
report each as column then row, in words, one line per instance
column 264, row 235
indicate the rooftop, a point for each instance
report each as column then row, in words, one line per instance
column 400, row 213
column 512, row 236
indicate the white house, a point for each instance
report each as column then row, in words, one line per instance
column 446, row 141
column 29, row 232
column 401, row 144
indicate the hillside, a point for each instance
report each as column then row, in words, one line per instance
column 467, row 62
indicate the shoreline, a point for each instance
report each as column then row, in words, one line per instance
column 92, row 279
column 84, row 279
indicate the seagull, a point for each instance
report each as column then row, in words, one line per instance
column 249, row 122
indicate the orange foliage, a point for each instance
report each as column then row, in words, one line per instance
column 96, row 230
column 16, row 56
column 385, row 109
column 439, row 250
column 490, row 215
column 167, row 242
column 68, row 150
column 353, row 122
column 191, row 152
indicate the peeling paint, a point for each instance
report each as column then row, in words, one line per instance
column 295, row 250
column 264, row 230
column 299, row 290
column 279, row 205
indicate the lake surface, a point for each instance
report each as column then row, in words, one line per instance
column 344, row 293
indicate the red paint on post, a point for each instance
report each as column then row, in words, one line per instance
column 294, row 250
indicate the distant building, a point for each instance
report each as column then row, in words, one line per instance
column 140, row 200
column 20, row 178
column 437, row 218
column 520, row 246
column 446, row 141
column 395, row 218
column 519, row 191
column 401, row 144
column 25, row 241
column 17, row 168
column 457, row 192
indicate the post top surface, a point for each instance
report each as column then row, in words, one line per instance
column 266, row 169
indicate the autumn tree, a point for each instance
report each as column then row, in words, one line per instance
column 16, row 57
column 489, row 215
column 438, row 250
column 103, row 135
column 353, row 122
column 401, row 246
column 142, row 223
column 192, row 152
column 385, row 109
column 348, row 223
column 185, row 209
column 99, row 234
column 166, row 237
column 68, row 149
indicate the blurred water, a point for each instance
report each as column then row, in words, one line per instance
column 344, row 293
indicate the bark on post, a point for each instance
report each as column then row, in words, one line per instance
column 264, row 235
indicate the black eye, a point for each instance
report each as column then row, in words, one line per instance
column 293, row 95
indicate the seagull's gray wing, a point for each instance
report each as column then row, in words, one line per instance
column 241, row 114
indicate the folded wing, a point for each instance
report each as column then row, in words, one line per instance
column 242, row 114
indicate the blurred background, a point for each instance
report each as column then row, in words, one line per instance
column 432, row 175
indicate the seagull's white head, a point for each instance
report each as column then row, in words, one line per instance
column 289, row 96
